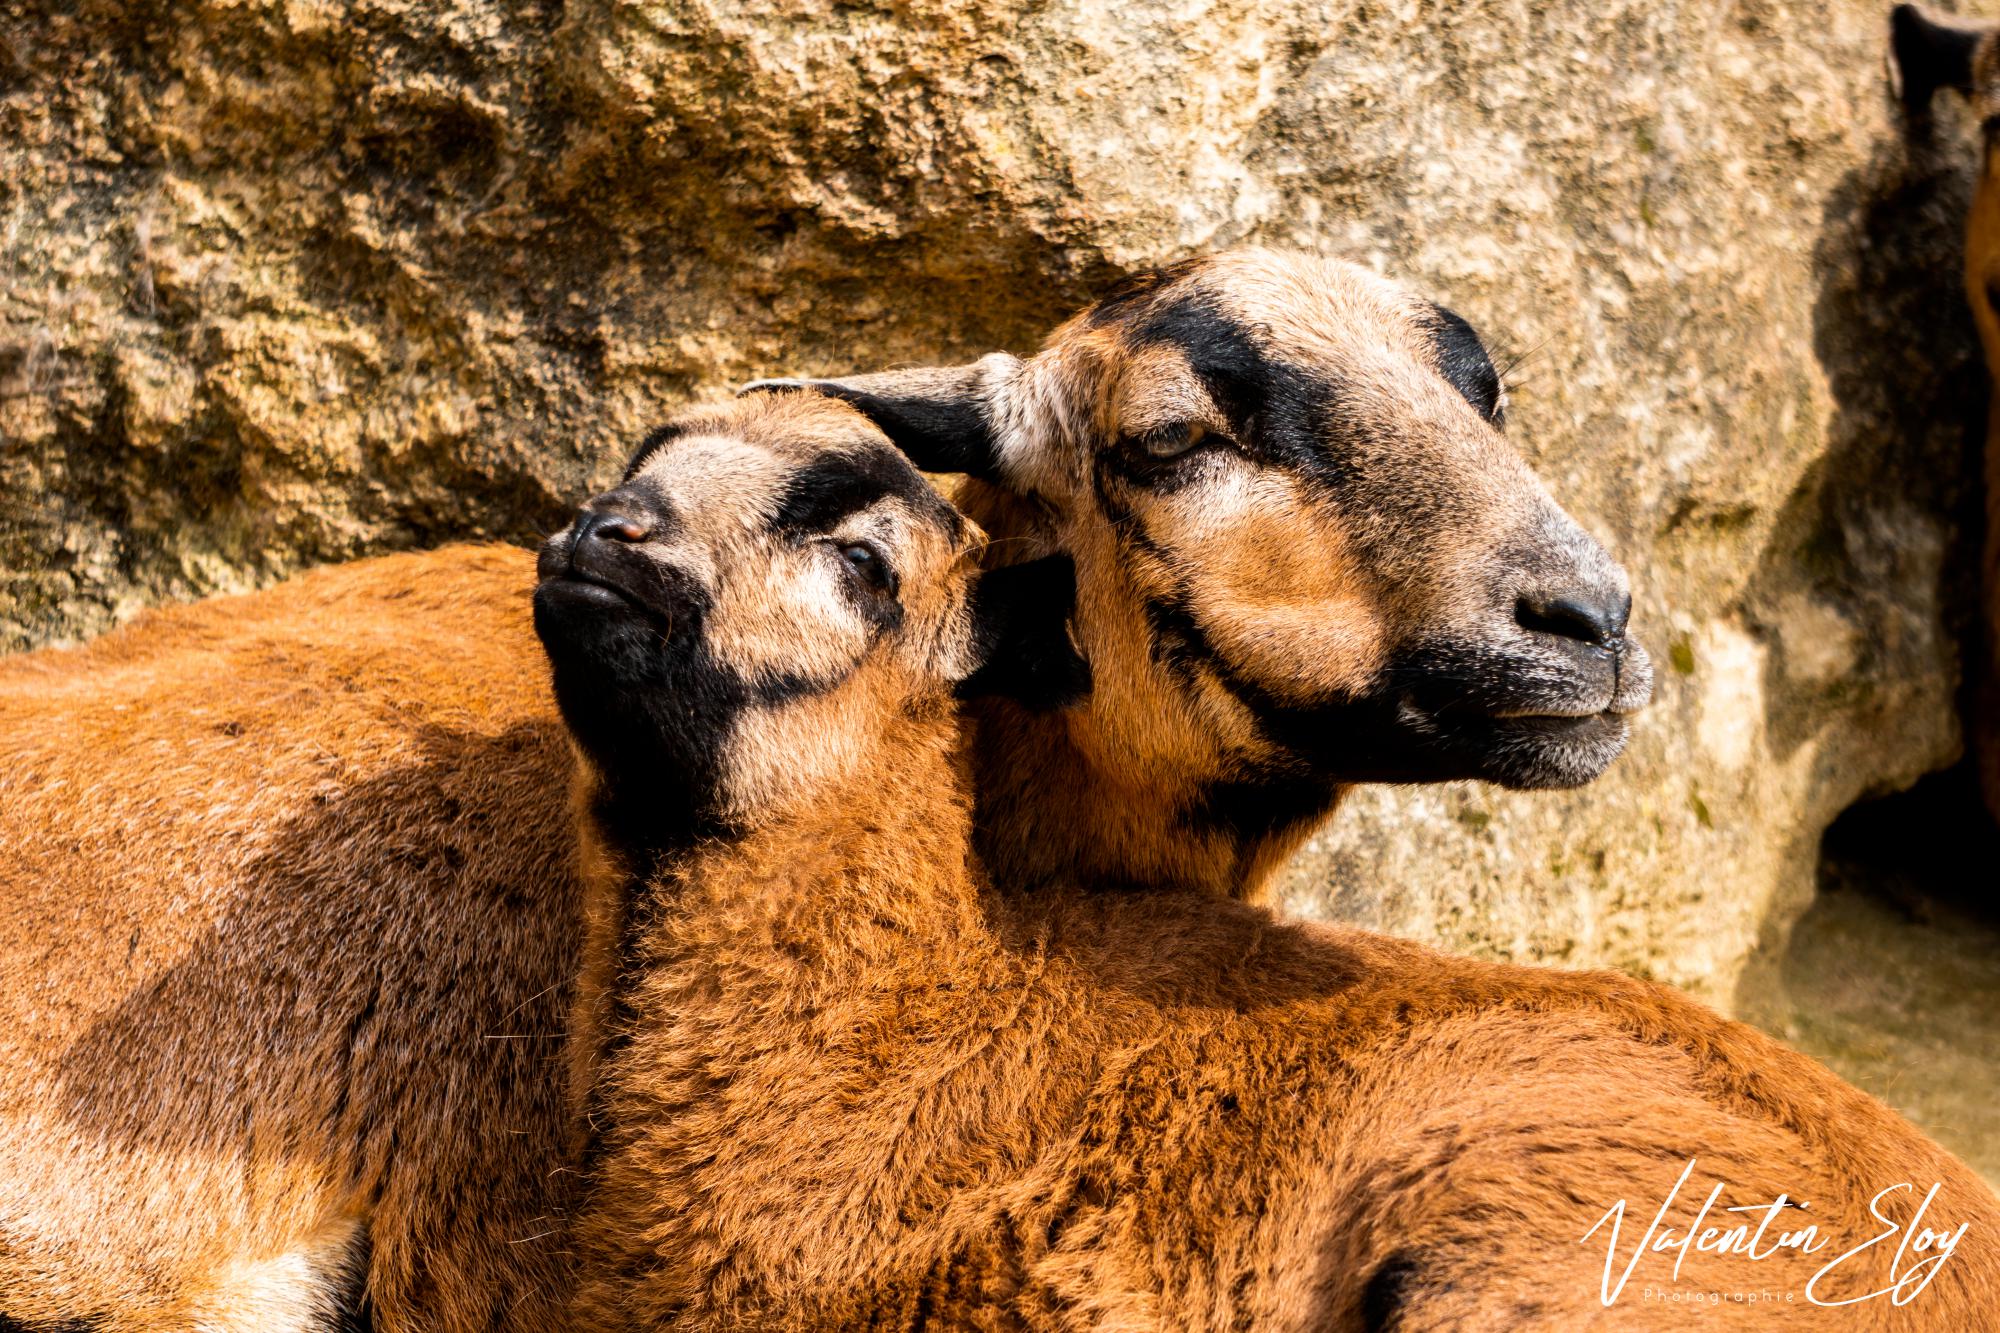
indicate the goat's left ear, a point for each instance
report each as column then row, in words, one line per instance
column 1926, row 55
column 1020, row 636
column 941, row 417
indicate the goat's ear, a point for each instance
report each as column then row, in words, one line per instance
column 1020, row 636
column 940, row 417
column 1926, row 55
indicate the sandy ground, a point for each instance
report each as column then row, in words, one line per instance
column 1893, row 976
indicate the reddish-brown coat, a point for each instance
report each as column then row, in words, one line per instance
column 289, row 929
column 867, row 1090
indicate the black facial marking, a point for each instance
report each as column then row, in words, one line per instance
column 1277, row 413
column 1021, row 636
column 776, row 690
column 1136, row 289
column 652, row 711
column 1463, row 361
column 657, row 440
column 1218, row 349
column 831, row 487
column 1179, row 644
column 1261, row 803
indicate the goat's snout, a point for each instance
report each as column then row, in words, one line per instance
column 610, row 528
column 1593, row 616
column 614, row 543
column 632, row 514
column 611, row 525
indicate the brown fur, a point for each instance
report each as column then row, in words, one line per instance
column 1365, row 537
column 861, row 1088
column 1070, row 796
column 1930, row 54
column 287, row 934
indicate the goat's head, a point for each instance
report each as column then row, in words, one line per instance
column 769, row 587
column 1304, row 552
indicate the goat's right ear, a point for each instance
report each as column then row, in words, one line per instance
column 1926, row 55
column 1020, row 636
column 940, row 417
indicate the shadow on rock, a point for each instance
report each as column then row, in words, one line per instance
column 1899, row 476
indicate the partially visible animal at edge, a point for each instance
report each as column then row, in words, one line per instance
column 835, row 1078
column 289, row 879
column 1929, row 54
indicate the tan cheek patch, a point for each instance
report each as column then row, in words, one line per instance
column 780, row 757
column 721, row 491
column 781, row 611
column 716, row 484
column 1272, row 576
column 936, row 639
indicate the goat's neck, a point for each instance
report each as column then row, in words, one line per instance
column 893, row 845
column 847, row 893
column 1122, row 790
column 1058, row 806
column 812, row 1023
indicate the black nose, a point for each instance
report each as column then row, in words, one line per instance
column 1596, row 618
column 612, row 525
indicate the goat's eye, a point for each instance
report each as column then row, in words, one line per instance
column 868, row 563
column 1173, row 441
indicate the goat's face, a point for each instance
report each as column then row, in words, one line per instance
column 768, row 588
column 1304, row 550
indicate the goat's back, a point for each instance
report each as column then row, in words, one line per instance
column 286, row 940
column 1340, row 1129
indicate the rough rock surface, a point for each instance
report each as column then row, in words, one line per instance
column 288, row 281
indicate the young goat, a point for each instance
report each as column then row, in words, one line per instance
column 1305, row 555
column 837, row 1080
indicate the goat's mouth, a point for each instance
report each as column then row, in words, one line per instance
column 1525, row 720
column 608, row 579
column 1526, row 751
column 587, row 591
column 1517, row 719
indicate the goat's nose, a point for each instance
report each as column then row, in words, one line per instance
column 1597, row 618
column 611, row 525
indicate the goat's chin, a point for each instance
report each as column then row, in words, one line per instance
column 1403, row 743
column 1550, row 753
